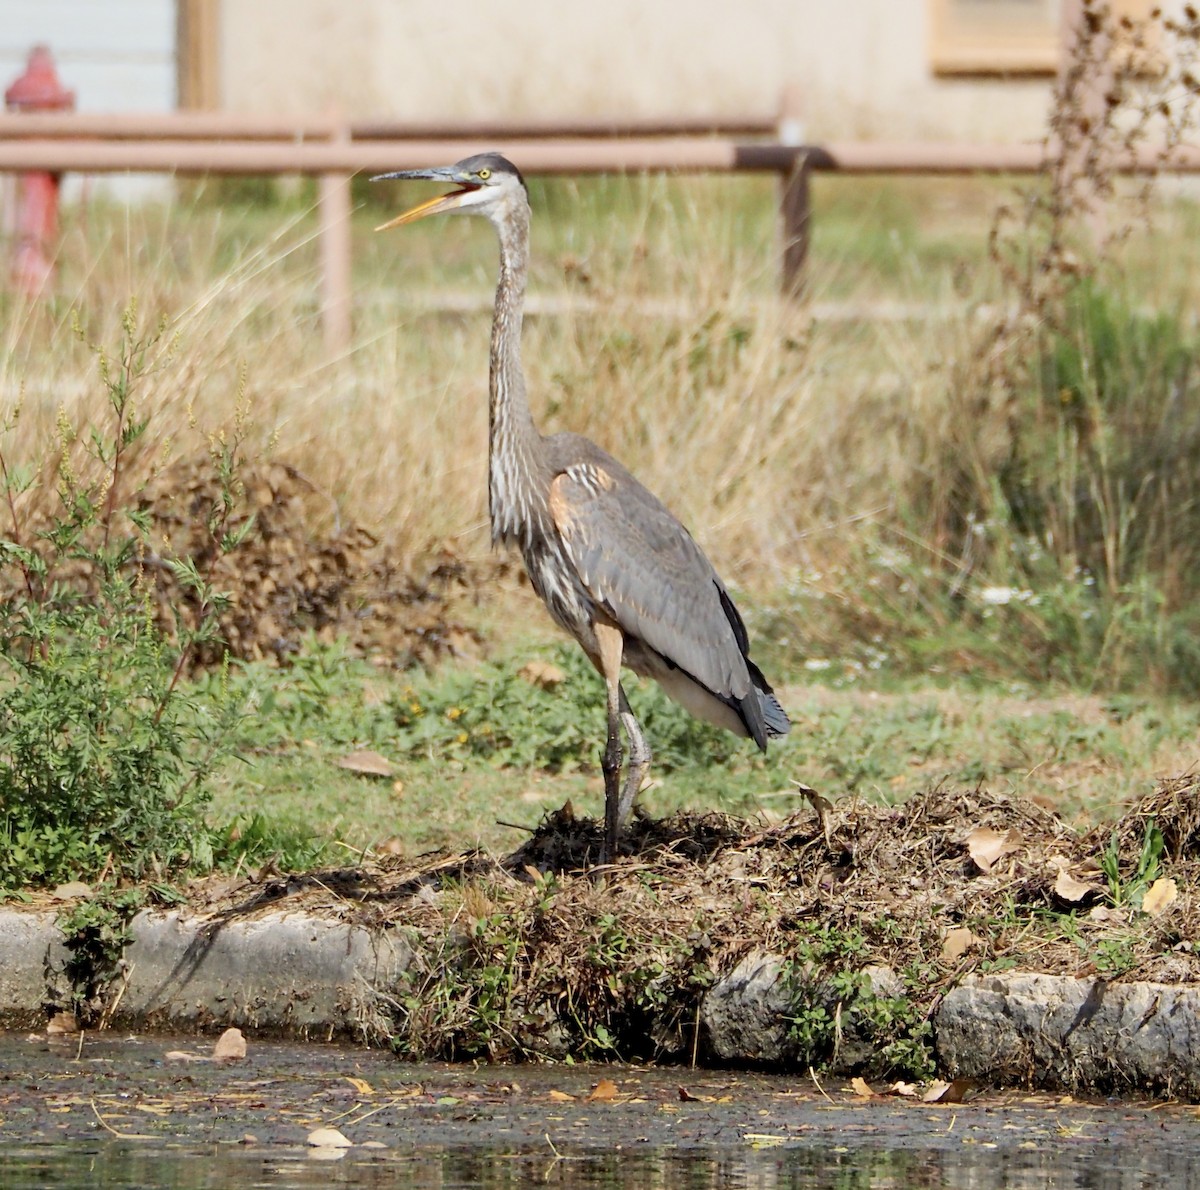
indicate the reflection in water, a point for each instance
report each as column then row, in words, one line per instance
column 829, row 1166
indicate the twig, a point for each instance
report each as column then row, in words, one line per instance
column 111, row 1010
column 119, row 1135
column 696, row 1035
column 516, row 826
column 816, row 1083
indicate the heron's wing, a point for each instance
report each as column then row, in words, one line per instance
column 645, row 570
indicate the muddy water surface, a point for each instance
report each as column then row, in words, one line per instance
column 121, row 1111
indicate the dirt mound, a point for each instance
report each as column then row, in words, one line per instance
column 953, row 882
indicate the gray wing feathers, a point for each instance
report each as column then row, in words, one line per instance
column 643, row 567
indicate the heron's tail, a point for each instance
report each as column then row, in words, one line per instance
column 774, row 717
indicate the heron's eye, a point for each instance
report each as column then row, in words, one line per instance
column 484, row 173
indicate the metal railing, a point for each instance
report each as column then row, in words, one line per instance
column 334, row 150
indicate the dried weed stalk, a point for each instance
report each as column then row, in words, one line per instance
column 1126, row 99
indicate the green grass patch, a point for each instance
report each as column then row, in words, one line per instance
column 480, row 752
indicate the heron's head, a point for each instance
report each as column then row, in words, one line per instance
column 487, row 184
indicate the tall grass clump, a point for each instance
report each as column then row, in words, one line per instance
column 1050, row 526
column 1099, row 491
column 104, row 751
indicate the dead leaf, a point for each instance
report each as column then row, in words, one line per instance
column 986, row 846
column 940, row 1091
column 71, row 890
column 329, row 1138
column 862, row 1088
column 370, row 764
column 686, row 1096
column 543, row 674
column 62, row 1022
column 904, row 1090
column 958, row 942
column 1072, row 890
column 230, row 1047
column 1159, row 895
column 360, row 1085
column 603, row 1092
column 1106, row 914
column 560, row 1096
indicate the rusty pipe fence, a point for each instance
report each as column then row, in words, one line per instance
column 334, row 150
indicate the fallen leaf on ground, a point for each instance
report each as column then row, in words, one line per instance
column 360, row 1085
column 958, row 942
column 986, row 846
column 543, row 674
column 71, row 890
column 1070, row 889
column 62, row 1022
column 370, row 764
column 604, row 1091
column 904, row 1090
column 560, row 1096
column 1159, row 895
column 230, row 1047
column 862, row 1088
column 940, row 1091
column 329, row 1138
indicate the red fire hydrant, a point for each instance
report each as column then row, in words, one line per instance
column 37, row 90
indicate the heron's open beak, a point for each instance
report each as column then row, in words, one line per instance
column 432, row 206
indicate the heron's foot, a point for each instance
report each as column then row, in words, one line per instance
column 637, row 767
column 610, row 765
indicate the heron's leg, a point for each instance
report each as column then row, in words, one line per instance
column 639, row 758
column 611, row 647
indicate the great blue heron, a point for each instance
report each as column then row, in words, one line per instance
column 614, row 567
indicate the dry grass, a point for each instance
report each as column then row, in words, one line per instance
column 831, row 451
column 768, row 430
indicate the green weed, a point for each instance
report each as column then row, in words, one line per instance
column 1129, row 889
column 104, row 750
column 832, row 1001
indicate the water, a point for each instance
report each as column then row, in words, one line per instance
column 119, row 1164
column 118, row 1112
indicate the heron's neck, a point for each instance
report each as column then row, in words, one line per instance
column 514, row 458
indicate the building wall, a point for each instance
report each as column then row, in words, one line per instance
column 862, row 65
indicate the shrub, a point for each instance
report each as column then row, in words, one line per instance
column 104, row 753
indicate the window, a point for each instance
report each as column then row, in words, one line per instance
column 1004, row 36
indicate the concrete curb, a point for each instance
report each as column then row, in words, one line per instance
column 299, row 974
column 31, row 949
column 1065, row 1033
column 285, row 972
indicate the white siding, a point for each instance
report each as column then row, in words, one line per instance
column 118, row 55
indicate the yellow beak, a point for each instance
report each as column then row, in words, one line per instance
column 432, row 206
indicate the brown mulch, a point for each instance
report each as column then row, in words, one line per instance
column 301, row 570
